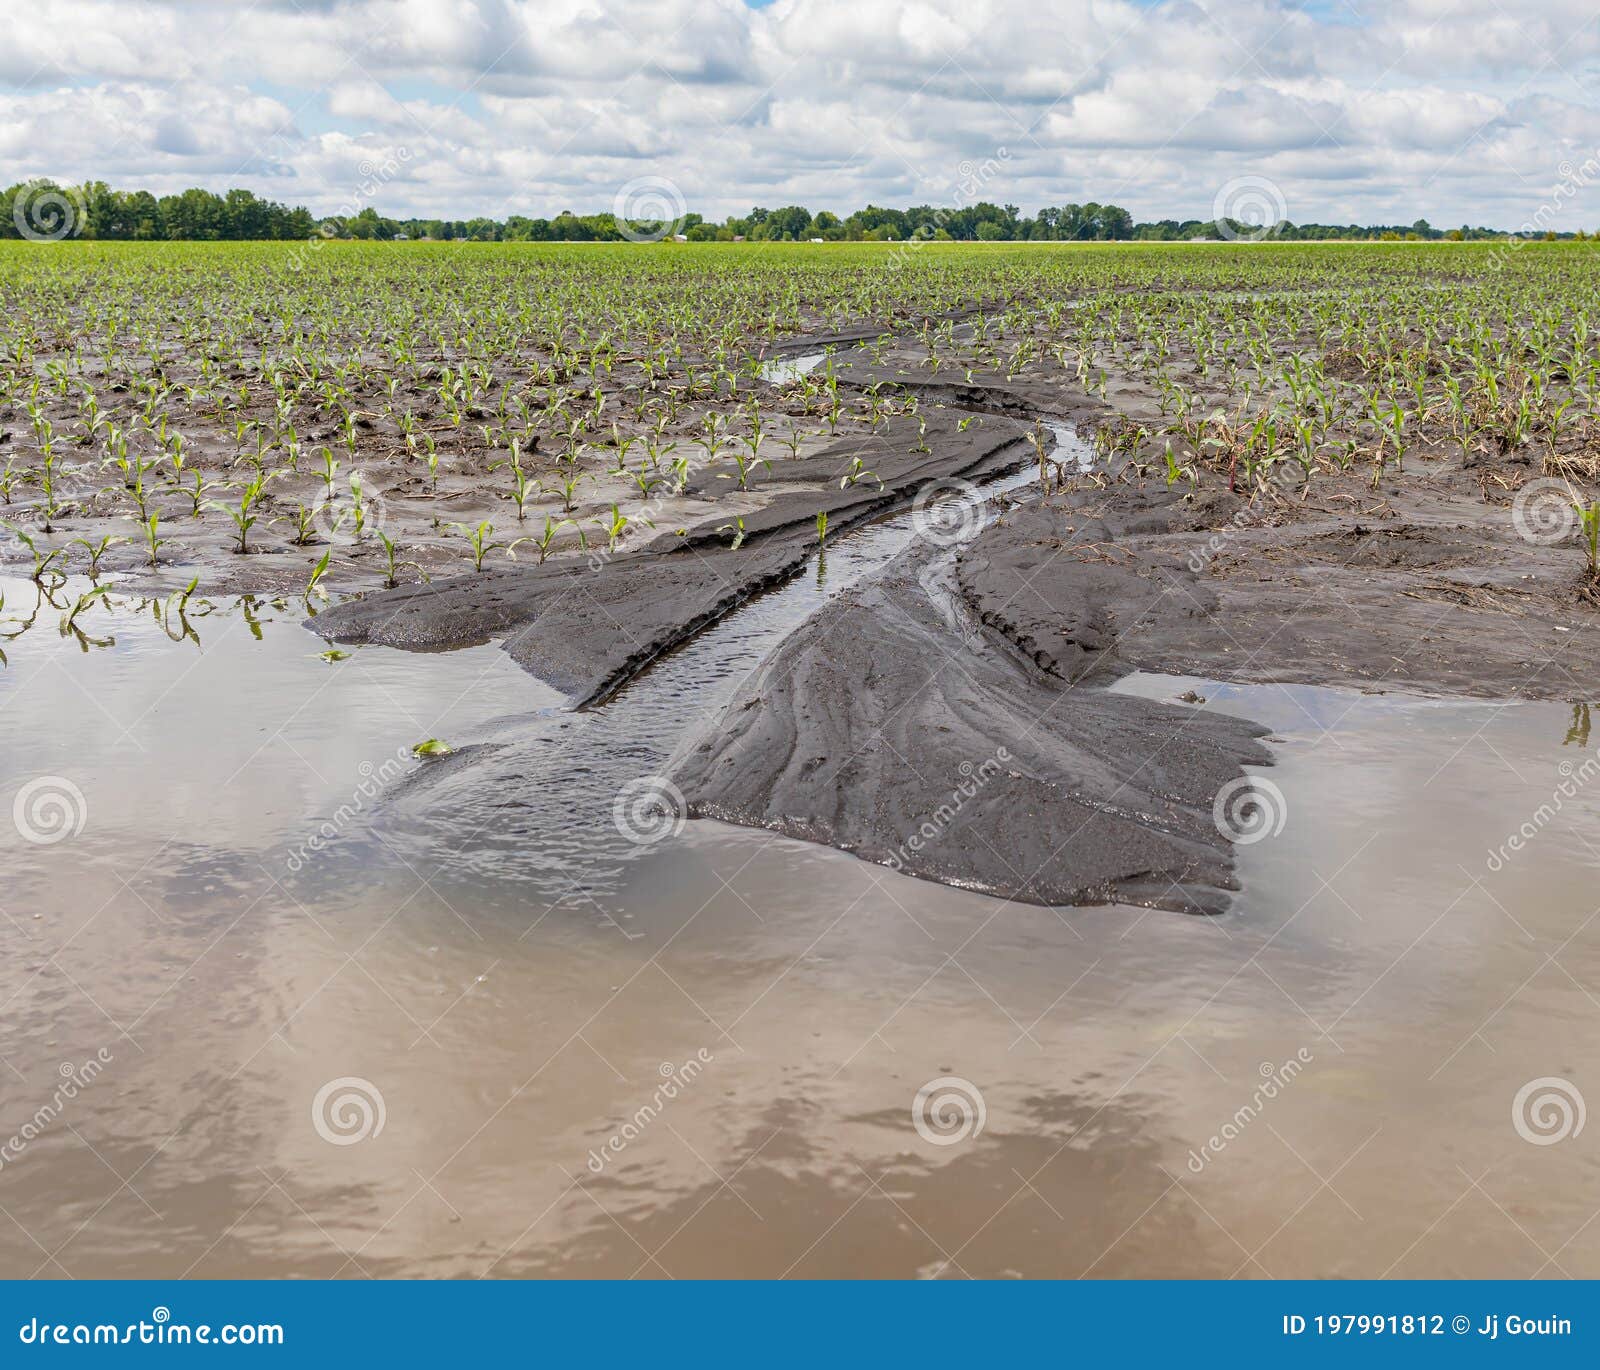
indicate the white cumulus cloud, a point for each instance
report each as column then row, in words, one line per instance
column 1457, row 110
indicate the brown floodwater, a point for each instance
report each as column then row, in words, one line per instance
column 281, row 1000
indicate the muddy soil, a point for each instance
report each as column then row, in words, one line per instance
column 424, row 470
column 1410, row 589
column 887, row 727
column 872, row 717
column 1422, row 578
column 585, row 625
column 867, row 728
column 1416, row 579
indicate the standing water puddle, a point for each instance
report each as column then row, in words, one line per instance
column 787, row 369
column 332, row 1011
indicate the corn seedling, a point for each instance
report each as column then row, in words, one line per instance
column 317, row 573
column 153, row 543
column 96, row 550
column 44, row 558
column 481, row 542
column 391, row 565
column 243, row 514
column 1589, row 536
column 857, row 472
column 546, row 538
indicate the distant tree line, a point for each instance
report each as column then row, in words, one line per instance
column 95, row 210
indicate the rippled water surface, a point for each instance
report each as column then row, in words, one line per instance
column 279, row 998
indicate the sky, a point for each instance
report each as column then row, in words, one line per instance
column 1478, row 111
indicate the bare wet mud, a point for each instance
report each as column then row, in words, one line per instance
column 585, row 625
column 885, row 726
column 1429, row 593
